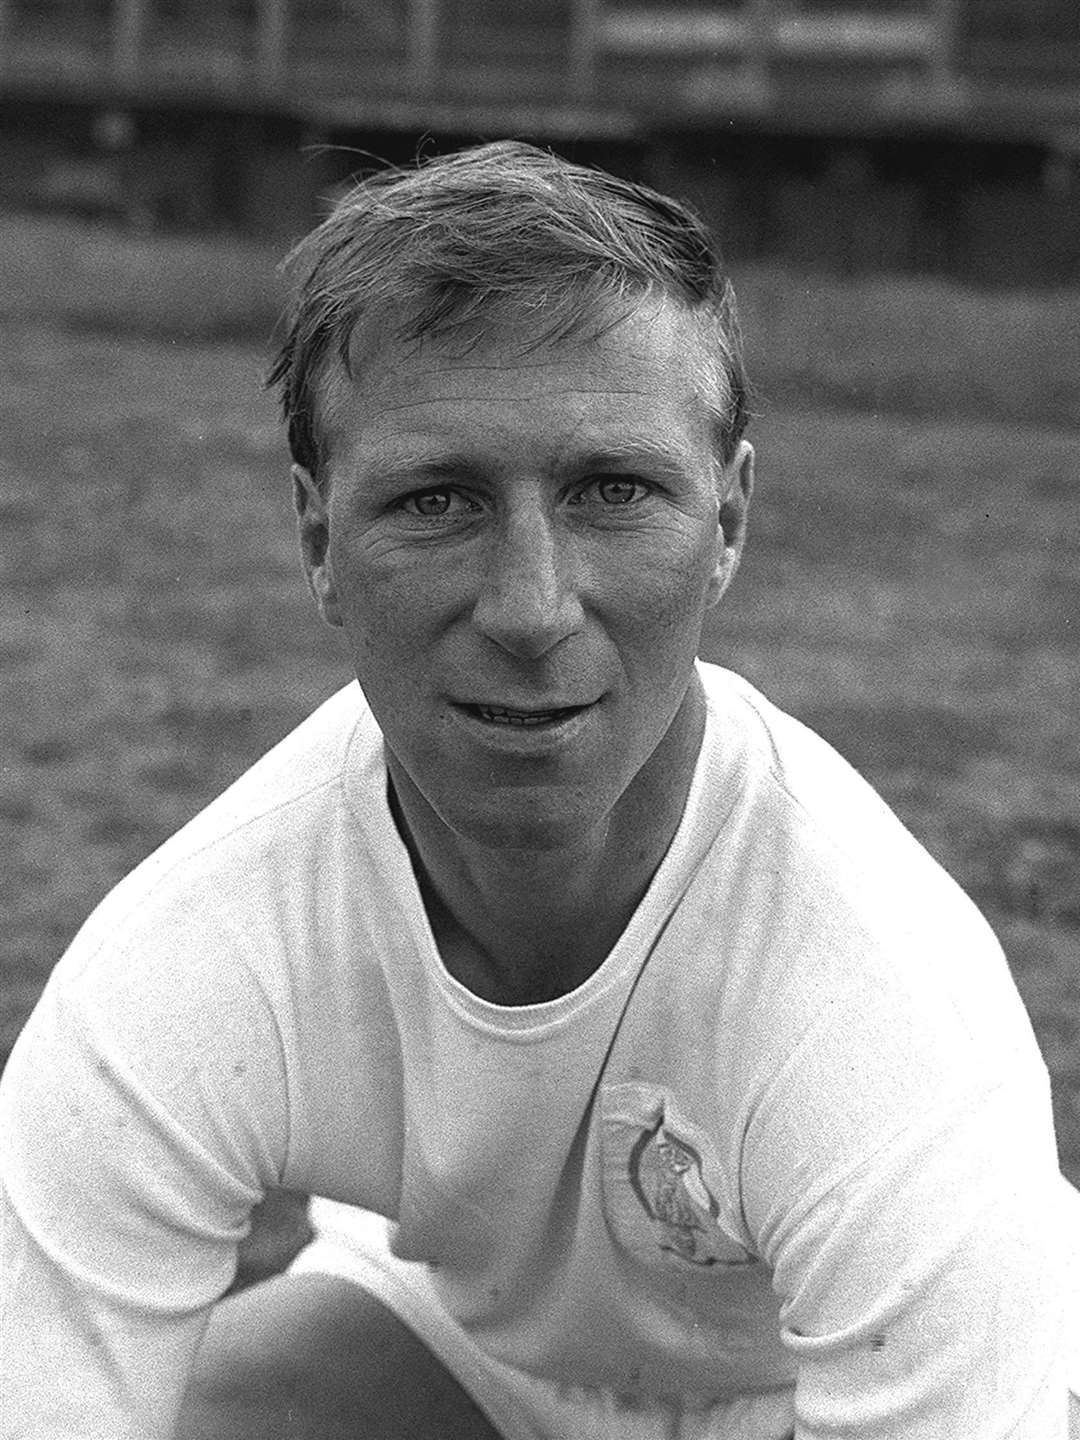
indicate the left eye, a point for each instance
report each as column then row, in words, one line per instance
column 618, row 489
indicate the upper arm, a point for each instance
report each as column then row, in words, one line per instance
column 139, row 1124
column 918, row 1282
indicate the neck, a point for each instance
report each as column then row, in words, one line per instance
column 519, row 926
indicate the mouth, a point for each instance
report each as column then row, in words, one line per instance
column 523, row 719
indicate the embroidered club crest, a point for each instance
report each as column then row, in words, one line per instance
column 666, row 1176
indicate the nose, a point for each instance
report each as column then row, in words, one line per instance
column 528, row 600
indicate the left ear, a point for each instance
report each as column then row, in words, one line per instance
column 735, row 485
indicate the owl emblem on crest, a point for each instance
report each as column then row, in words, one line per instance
column 666, row 1175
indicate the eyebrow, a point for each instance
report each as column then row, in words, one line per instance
column 637, row 450
column 418, row 467
column 626, row 452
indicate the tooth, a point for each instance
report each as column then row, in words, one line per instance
column 500, row 715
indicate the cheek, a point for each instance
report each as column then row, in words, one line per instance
column 667, row 586
column 378, row 629
column 378, row 594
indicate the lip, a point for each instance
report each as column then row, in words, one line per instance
column 529, row 727
column 526, row 710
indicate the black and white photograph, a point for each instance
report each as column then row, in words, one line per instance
column 540, row 720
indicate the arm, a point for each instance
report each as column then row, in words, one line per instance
column 919, row 1279
column 141, row 1118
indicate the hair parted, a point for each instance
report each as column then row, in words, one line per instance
column 504, row 226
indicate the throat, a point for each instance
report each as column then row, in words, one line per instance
column 523, row 927
column 507, row 968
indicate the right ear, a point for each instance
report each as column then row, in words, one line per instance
column 313, row 519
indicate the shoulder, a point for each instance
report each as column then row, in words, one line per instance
column 804, row 814
column 300, row 776
column 786, row 760
column 207, row 985
column 842, row 936
column 232, row 900
column 290, row 796
column 825, row 983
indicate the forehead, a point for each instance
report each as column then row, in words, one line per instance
column 645, row 372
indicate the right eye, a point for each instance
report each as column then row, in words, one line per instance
column 434, row 504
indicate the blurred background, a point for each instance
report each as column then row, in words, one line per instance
column 896, row 186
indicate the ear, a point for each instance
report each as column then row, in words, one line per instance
column 313, row 519
column 735, row 485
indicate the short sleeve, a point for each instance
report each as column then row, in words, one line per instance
column 917, row 1256
column 142, row 1116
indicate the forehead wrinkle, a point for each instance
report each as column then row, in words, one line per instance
column 379, row 407
column 518, row 363
column 340, row 388
column 601, row 387
column 509, row 347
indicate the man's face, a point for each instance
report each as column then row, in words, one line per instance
column 520, row 545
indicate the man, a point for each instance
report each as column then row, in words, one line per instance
column 654, row 1080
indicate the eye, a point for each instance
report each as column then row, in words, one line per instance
column 617, row 489
column 433, row 504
